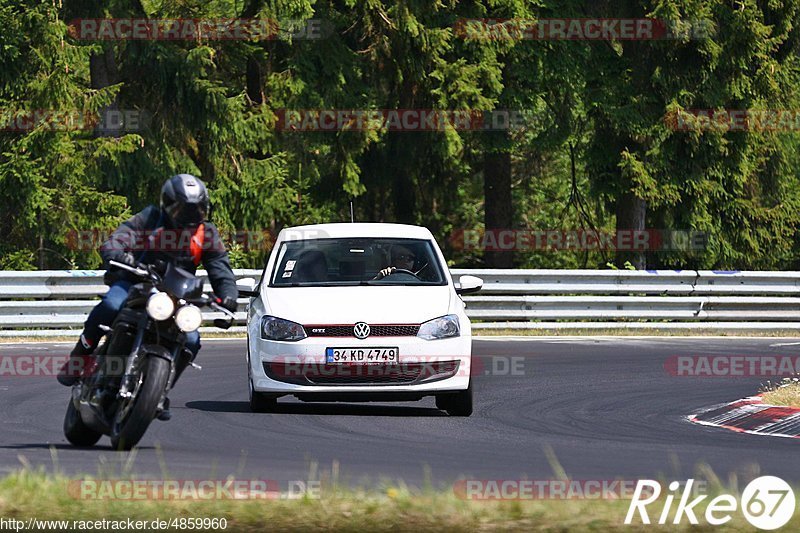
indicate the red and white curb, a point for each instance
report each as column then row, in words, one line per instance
column 752, row 415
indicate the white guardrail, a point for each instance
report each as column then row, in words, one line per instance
column 56, row 302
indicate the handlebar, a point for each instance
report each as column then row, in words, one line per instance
column 145, row 272
column 214, row 302
column 221, row 323
column 139, row 271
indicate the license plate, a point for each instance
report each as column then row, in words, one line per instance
column 362, row 355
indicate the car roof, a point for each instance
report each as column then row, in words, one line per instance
column 358, row 229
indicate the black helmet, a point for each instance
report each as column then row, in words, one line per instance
column 184, row 199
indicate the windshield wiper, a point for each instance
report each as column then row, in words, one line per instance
column 379, row 282
column 322, row 284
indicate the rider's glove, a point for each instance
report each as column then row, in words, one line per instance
column 126, row 258
column 229, row 303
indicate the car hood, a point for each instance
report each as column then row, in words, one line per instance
column 348, row 305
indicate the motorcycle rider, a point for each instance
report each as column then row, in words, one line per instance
column 178, row 233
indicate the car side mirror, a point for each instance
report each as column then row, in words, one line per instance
column 468, row 284
column 246, row 287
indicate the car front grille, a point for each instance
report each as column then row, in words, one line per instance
column 378, row 330
column 362, row 374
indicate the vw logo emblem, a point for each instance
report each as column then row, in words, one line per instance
column 361, row 330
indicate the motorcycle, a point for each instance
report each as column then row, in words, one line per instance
column 124, row 387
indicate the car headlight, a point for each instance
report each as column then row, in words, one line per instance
column 440, row 328
column 188, row 318
column 160, row 306
column 278, row 329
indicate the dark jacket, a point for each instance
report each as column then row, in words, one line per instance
column 149, row 238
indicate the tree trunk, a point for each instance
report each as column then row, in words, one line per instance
column 498, row 206
column 102, row 73
column 256, row 71
column 255, row 81
column 401, row 163
column 400, row 169
column 631, row 211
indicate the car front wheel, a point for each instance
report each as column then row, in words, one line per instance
column 259, row 402
column 458, row 404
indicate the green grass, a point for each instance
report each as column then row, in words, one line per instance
column 34, row 494
column 785, row 393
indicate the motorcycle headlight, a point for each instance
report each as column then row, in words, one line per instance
column 160, row 306
column 440, row 328
column 278, row 329
column 188, row 318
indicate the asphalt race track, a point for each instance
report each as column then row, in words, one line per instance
column 605, row 406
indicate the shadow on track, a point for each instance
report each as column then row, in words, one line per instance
column 62, row 446
column 318, row 409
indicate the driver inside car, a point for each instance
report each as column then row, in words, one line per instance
column 402, row 257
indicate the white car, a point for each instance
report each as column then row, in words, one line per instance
column 358, row 312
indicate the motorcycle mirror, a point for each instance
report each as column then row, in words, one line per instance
column 160, row 266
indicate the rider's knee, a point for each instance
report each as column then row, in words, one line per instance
column 114, row 299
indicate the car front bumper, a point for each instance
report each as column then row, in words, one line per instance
column 424, row 367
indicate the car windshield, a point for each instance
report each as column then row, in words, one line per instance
column 356, row 261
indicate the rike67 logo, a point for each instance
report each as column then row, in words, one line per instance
column 767, row 502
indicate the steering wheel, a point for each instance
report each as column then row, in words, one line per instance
column 398, row 271
column 402, row 271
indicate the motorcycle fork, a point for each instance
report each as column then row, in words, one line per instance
column 124, row 391
column 176, row 353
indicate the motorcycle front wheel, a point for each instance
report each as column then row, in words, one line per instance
column 134, row 414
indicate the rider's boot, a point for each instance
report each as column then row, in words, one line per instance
column 164, row 413
column 75, row 366
column 184, row 358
